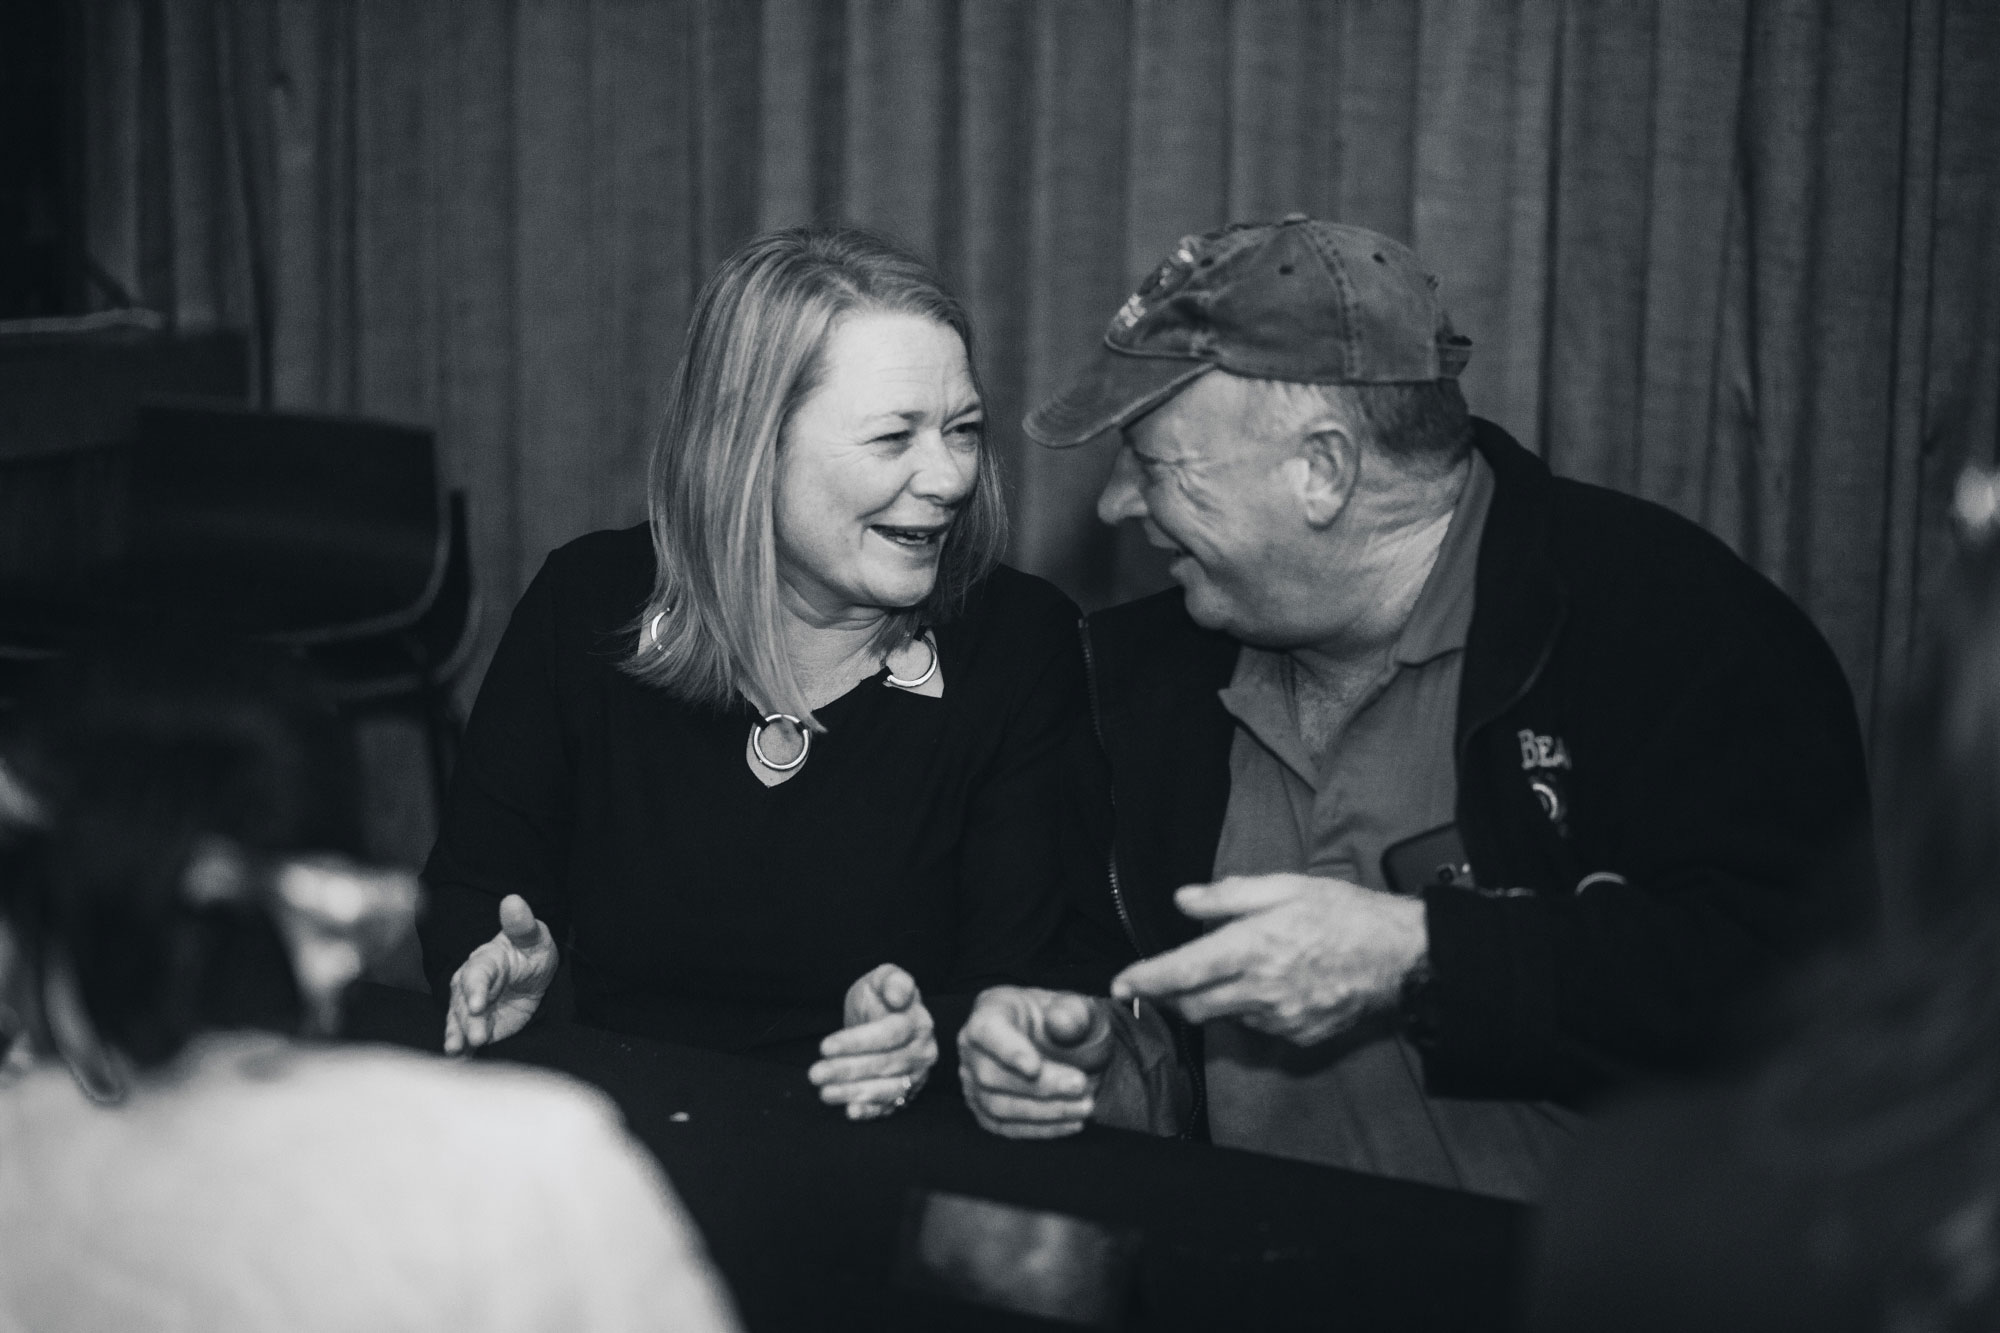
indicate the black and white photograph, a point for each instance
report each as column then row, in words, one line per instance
column 737, row 666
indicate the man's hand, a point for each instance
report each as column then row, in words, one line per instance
column 497, row 990
column 1030, row 1061
column 1302, row 957
column 884, row 1051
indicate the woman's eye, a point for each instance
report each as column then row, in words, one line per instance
column 968, row 432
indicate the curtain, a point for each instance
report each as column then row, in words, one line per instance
column 1741, row 257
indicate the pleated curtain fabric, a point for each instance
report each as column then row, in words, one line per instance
column 1738, row 256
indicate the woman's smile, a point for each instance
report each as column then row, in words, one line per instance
column 876, row 463
column 924, row 540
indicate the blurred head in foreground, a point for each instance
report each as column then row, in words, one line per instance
column 1908, row 1047
column 1941, row 829
column 179, row 894
column 178, row 828
column 1851, row 1177
column 1896, row 1067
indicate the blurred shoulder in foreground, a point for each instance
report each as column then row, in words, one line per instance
column 259, row 1182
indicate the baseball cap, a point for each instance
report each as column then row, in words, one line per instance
column 1298, row 299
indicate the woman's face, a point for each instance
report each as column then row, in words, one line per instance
column 873, row 466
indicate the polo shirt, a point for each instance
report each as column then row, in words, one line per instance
column 1357, row 1100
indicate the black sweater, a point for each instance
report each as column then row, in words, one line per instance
column 694, row 904
column 1697, row 745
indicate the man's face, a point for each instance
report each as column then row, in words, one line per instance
column 1204, row 487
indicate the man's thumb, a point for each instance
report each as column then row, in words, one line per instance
column 1068, row 1020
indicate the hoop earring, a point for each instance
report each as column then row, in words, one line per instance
column 757, row 742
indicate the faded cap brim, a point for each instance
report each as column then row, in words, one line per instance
column 1112, row 390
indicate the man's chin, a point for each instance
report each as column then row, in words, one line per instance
column 1204, row 608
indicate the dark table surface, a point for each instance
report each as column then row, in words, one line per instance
column 803, row 1210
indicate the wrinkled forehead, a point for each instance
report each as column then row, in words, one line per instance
column 1217, row 418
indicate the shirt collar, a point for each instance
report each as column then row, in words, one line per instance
column 1442, row 617
column 1256, row 697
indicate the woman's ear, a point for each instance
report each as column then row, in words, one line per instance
column 1329, row 467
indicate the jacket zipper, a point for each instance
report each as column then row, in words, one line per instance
column 1197, row 1078
column 1097, row 726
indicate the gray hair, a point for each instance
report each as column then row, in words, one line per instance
column 1425, row 426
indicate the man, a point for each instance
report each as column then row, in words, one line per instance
column 1448, row 793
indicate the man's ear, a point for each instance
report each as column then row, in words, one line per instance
column 1331, row 462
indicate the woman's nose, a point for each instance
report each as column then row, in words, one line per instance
column 1121, row 497
column 945, row 475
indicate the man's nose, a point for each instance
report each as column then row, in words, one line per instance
column 1121, row 497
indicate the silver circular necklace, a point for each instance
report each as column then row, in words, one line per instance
column 924, row 678
column 757, row 742
column 769, row 720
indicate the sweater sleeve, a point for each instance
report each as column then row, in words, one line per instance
column 506, row 823
column 1030, row 842
column 1722, row 841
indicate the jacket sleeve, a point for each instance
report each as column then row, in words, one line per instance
column 1714, row 851
column 1147, row 1086
column 506, row 823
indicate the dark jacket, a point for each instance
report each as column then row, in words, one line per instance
column 1695, row 746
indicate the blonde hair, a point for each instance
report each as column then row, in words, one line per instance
column 755, row 348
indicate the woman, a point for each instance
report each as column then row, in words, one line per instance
column 177, row 899
column 1849, row 1179
column 790, row 756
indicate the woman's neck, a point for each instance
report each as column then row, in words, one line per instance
column 832, row 653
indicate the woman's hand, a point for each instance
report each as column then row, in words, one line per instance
column 497, row 990
column 881, row 1058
